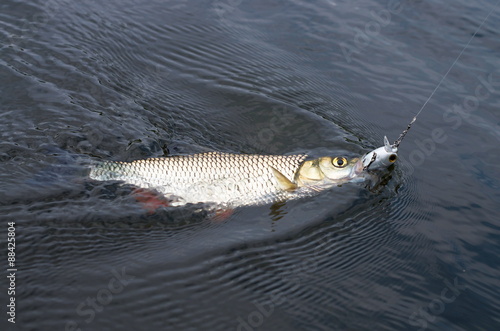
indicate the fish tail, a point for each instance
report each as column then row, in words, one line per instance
column 107, row 170
column 65, row 165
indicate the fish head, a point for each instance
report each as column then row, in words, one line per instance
column 339, row 169
column 326, row 170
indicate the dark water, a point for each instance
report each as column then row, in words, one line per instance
column 124, row 80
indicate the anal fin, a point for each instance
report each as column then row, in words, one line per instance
column 150, row 200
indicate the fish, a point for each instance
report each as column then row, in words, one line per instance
column 245, row 179
column 229, row 180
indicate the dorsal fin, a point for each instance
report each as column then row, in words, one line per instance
column 284, row 182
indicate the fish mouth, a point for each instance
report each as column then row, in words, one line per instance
column 372, row 163
column 358, row 169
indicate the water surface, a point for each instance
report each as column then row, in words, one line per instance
column 124, row 80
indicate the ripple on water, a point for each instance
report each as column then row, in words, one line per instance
column 133, row 79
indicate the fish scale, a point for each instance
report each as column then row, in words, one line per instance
column 214, row 177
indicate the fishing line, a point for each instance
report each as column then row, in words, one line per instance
column 402, row 135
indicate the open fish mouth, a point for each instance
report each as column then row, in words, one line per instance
column 357, row 170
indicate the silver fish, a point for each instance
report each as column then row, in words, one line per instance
column 232, row 180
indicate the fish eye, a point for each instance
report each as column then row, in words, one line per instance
column 392, row 158
column 339, row 162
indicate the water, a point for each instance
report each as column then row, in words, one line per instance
column 124, row 80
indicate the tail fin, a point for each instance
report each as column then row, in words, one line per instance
column 65, row 165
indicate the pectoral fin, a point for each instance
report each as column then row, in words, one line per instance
column 284, row 182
